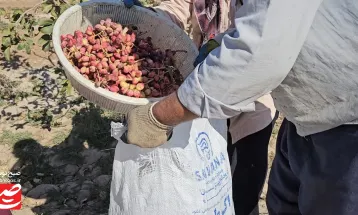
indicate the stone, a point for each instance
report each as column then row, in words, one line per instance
column 57, row 161
column 83, row 195
column 70, row 169
column 91, row 156
column 85, row 170
column 103, row 195
column 36, row 180
column 88, row 213
column 70, row 188
column 103, row 180
column 72, row 204
column 62, row 212
column 42, row 191
column 95, row 172
column 53, row 205
column 87, row 185
column 26, row 187
column 68, row 179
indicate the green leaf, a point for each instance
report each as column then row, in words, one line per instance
column 47, row 29
column 47, row 8
column 30, row 42
column 64, row 82
column 55, row 11
column 7, row 54
column 45, row 22
column 44, row 39
column 69, row 89
column 21, row 46
column 2, row 11
column 42, row 42
column 47, row 46
column 6, row 41
column 28, row 48
column 63, row 8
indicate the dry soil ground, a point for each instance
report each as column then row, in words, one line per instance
column 65, row 170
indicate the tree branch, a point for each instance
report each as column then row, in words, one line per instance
column 26, row 12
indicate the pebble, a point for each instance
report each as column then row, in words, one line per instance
column 70, row 188
column 70, row 169
column 37, row 180
column 57, row 161
column 26, row 187
column 72, row 204
column 95, row 172
column 68, row 179
column 103, row 180
column 42, row 190
column 103, row 195
column 83, row 195
column 91, row 156
column 62, row 212
column 87, row 185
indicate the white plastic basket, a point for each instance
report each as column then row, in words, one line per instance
column 165, row 34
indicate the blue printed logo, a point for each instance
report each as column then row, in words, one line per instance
column 203, row 146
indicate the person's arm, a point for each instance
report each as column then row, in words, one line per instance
column 251, row 61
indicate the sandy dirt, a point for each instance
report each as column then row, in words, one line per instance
column 18, row 3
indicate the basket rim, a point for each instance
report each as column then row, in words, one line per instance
column 125, row 100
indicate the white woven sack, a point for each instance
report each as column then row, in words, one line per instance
column 165, row 34
column 188, row 175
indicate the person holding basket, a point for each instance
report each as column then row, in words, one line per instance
column 305, row 52
column 249, row 132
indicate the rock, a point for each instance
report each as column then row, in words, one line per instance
column 72, row 204
column 70, row 188
column 103, row 180
column 88, row 213
column 53, row 205
column 85, row 170
column 57, row 161
column 87, row 185
column 26, row 187
column 91, row 156
column 70, row 169
column 103, row 195
column 62, row 212
column 91, row 203
column 42, row 191
column 68, row 179
column 36, row 180
column 95, row 172
column 83, row 195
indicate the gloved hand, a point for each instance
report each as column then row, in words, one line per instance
column 144, row 130
column 205, row 50
column 130, row 3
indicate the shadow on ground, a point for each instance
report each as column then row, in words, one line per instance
column 74, row 176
